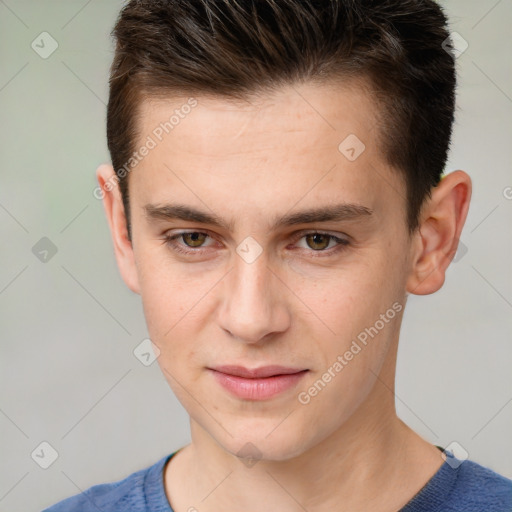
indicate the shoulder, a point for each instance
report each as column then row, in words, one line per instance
column 129, row 493
column 482, row 489
column 463, row 486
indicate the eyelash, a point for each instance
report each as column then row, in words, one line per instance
column 170, row 241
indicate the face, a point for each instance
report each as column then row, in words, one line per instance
column 288, row 249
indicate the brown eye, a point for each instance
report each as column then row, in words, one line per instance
column 318, row 241
column 194, row 239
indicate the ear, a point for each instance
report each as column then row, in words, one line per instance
column 114, row 210
column 437, row 238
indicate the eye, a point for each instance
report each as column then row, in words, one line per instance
column 323, row 243
column 318, row 241
column 192, row 239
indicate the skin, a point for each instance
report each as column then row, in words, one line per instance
column 249, row 163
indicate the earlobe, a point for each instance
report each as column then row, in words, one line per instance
column 441, row 223
column 114, row 210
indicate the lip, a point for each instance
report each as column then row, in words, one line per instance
column 257, row 383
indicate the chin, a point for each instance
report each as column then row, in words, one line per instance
column 255, row 445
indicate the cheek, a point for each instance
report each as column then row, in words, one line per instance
column 167, row 292
column 350, row 297
column 359, row 311
column 166, row 300
column 353, row 360
column 174, row 298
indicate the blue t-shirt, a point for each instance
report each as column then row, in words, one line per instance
column 468, row 487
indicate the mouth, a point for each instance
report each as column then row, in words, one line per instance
column 257, row 383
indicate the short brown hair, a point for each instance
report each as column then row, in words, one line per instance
column 239, row 48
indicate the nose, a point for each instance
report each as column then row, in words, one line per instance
column 255, row 302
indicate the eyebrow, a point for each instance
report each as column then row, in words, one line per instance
column 336, row 213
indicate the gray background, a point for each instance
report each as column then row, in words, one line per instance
column 69, row 325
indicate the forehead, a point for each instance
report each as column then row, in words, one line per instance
column 300, row 143
column 323, row 112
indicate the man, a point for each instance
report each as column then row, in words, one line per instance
column 274, row 197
